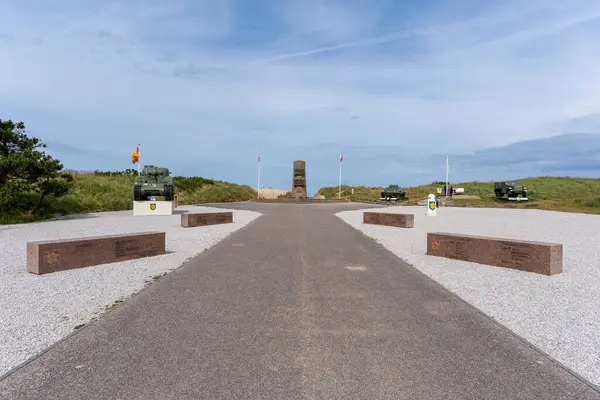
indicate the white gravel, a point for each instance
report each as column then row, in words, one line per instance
column 560, row 314
column 38, row 310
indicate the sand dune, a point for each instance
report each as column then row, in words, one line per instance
column 269, row 193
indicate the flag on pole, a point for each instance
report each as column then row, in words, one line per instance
column 258, row 184
column 135, row 157
column 340, row 181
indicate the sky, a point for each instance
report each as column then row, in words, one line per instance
column 204, row 86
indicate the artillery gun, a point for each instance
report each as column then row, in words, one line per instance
column 514, row 190
column 153, row 181
column 392, row 192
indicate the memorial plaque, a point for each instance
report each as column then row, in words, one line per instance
column 455, row 248
column 537, row 257
column 58, row 255
column 389, row 219
column 126, row 248
column 190, row 220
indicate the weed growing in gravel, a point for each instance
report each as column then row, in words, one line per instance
column 157, row 277
column 114, row 304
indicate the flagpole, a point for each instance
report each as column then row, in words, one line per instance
column 138, row 163
column 340, row 179
column 258, row 184
column 447, row 188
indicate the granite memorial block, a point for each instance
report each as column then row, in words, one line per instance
column 190, row 220
column 537, row 257
column 389, row 219
column 57, row 255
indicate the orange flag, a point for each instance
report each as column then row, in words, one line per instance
column 135, row 157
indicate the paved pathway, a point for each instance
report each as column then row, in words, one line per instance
column 297, row 305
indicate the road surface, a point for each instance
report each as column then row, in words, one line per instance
column 296, row 305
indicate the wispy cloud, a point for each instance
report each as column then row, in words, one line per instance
column 204, row 85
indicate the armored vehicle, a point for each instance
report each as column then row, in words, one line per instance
column 514, row 190
column 153, row 181
column 392, row 192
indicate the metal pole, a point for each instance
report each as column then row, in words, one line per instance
column 447, row 187
column 340, row 182
column 258, row 185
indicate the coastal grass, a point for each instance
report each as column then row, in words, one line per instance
column 580, row 195
column 95, row 193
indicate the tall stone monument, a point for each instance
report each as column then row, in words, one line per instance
column 299, row 181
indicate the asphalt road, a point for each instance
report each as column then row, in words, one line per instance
column 297, row 305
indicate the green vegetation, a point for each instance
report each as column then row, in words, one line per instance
column 33, row 185
column 102, row 191
column 29, row 178
column 547, row 193
column 197, row 190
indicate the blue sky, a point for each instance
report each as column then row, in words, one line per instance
column 205, row 85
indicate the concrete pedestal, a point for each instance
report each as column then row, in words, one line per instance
column 431, row 206
column 153, row 207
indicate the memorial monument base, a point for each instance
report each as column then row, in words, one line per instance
column 389, row 219
column 537, row 257
column 189, row 220
column 150, row 207
column 58, row 255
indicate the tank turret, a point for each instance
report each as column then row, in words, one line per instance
column 154, row 181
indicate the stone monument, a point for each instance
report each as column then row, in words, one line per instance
column 59, row 255
column 389, row 219
column 431, row 206
column 153, row 181
column 299, row 180
column 529, row 256
column 190, row 220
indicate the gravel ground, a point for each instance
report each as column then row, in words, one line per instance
column 38, row 310
column 560, row 314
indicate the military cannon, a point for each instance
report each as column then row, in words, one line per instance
column 392, row 192
column 514, row 190
column 153, row 181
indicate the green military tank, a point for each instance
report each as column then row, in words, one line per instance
column 514, row 191
column 153, row 181
column 392, row 192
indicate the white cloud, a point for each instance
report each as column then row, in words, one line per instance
column 210, row 74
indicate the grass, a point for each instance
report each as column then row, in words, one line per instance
column 94, row 193
column 580, row 195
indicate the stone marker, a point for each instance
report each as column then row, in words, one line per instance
column 538, row 257
column 390, row 219
column 431, row 205
column 58, row 255
column 190, row 220
column 299, row 180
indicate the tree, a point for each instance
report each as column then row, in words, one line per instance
column 24, row 168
